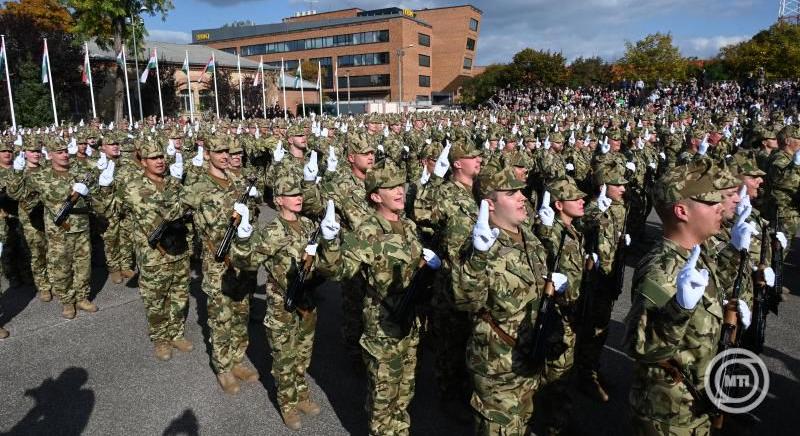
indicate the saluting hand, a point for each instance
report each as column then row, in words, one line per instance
column 691, row 281
column 483, row 236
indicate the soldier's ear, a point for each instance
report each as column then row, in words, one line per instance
column 681, row 211
column 457, row 164
column 375, row 198
column 559, row 205
column 490, row 203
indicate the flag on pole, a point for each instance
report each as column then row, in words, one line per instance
column 45, row 65
column 185, row 66
column 298, row 75
column 210, row 66
column 120, row 60
column 86, row 75
column 260, row 71
column 319, row 75
column 151, row 64
column 3, row 57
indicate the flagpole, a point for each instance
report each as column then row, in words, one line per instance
column 263, row 92
column 319, row 84
column 214, row 72
column 302, row 91
column 127, row 87
column 189, row 84
column 88, row 67
column 8, row 84
column 336, row 87
column 283, row 84
column 350, row 110
column 50, row 82
column 241, row 93
column 158, row 82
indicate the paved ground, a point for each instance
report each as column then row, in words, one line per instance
column 96, row 375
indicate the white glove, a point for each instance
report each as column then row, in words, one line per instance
column 1, row 248
column 546, row 144
column 102, row 162
column 595, row 258
column 380, row 148
column 662, row 155
column 324, row 132
column 423, row 180
column 19, row 161
column 560, row 282
column 89, row 151
column 310, row 170
column 244, row 230
column 333, row 161
column 605, row 147
column 442, row 163
column 171, row 150
column 769, row 276
column 779, row 236
column 431, row 259
column 279, row 152
column 197, row 160
column 253, row 192
column 742, row 231
column 72, row 148
column 744, row 312
column 796, row 158
column 311, row 249
column 176, row 170
column 627, row 240
column 631, row 166
column 744, row 201
column 603, row 202
column 483, row 237
column 546, row 213
column 46, row 155
column 703, row 148
column 569, row 167
column 328, row 225
column 81, row 189
column 691, row 282
column 107, row 176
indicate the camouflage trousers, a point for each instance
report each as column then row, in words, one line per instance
column 391, row 366
column 353, row 291
column 118, row 243
column 228, row 309
column 69, row 265
column 165, row 294
column 556, row 393
column 35, row 244
column 291, row 339
column 592, row 337
column 503, row 402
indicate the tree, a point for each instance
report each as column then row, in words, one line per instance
column 105, row 20
column 538, row 68
column 589, row 72
column 478, row 89
column 46, row 15
column 652, row 58
column 776, row 49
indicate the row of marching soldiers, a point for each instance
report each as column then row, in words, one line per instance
column 501, row 236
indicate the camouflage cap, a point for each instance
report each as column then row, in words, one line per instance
column 287, row 186
column 565, row 189
column 150, row 149
column 54, row 143
column 609, row 172
column 518, row 158
column 235, row 145
column 614, row 134
column 463, row 148
column 789, row 131
column 217, row 144
column 387, row 176
column 358, row 144
column 723, row 177
column 7, row 144
column 694, row 180
column 374, row 118
column 115, row 137
column 432, row 151
column 296, row 130
column 557, row 137
column 503, row 180
column 32, row 143
column 765, row 133
column 744, row 163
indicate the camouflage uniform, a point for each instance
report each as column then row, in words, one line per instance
column 783, row 186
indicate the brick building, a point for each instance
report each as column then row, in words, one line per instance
column 384, row 54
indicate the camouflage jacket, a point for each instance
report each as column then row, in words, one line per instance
column 350, row 197
column 658, row 328
column 53, row 188
column 455, row 211
column 571, row 261
column 608, row 226
column 783, row 186
column 18, row 187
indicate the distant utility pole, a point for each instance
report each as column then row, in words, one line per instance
column 789, row 11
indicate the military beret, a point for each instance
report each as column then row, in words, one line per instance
column 150, row 149
column 387, row 176
column 565, row 189
column 463, row 148
column 609, row 172
column 694, row 180
column 286, row 186
column 503, row 180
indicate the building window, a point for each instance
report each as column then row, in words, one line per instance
column 363, row 59
column 317, row 43
column 425, row 81
column 424, row 40
column 327, row 70
column 425, row 98
column 473, row 24
column 231, row 50
column 470, row 44
column 467, row 63
column 370, row 81
column 424, row 60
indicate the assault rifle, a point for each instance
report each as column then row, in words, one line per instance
column 225, row 245
column 69, row 203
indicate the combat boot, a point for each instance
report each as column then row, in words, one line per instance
column 126, row 273
column 87, row 306
column 228, row 383
column 308, row 407
column 45, row 295
column 162, row 351
column 3, row 333
column 244, row 373
column 292, row 419
column 68, row 311
column 183, row 345
column 116, row 277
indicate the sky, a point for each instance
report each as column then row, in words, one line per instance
column 573, row 27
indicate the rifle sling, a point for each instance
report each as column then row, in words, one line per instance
column 502, row 334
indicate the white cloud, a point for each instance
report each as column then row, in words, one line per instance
column 169, row 36
column 709, row 46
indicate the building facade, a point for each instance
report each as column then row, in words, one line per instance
column 389, row 54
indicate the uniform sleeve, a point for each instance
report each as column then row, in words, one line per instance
column 343, row 260
column 260, row 248
column 471, row 282
column 313, row 204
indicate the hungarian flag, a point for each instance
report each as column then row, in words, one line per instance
column 86, row 74
column 121, row 58
column 152, row 63
column 298, row 75
column 3, row 57
column 211, row 65
column 185, row 66
column 259, row 73
column 45, row 65
column 319, row 75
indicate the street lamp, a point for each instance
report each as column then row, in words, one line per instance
column 136, row 61
column 400, row 54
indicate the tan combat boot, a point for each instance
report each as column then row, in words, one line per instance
column 126, row 273
column 228, row 383
column 308, row 407
column 292, row 419
column 68, row 311
column 45, row 295
column 87, row 306
column 162, row 351
column 183, row 345
column 3, row 333
column 116, row 277
column 244, row 373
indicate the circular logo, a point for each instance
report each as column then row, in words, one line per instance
column 737, row 380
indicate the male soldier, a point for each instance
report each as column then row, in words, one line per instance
column 153, row 200
column 766, row 142
column 499, row 282
column 211, row 199
column 8, row 207
column 291, row 165
column 783, row 181
column 603, row 225
column 668, row 326
column 68, row 245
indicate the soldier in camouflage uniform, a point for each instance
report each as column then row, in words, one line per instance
column 283, row 248
column 783, row 182
column 211, row 199
column 8, row 208
column 152, row 199
column 386, row 251
column 288, row 162
column 766, row 142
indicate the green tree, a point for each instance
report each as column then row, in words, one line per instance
column 105, row 20
column 478, row 89
column 538, row 68
column 776, row 49
column 652, row 58
column 589, row 72
column 32, row 98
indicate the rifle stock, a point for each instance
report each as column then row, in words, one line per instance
column 296, row 290
column 69, row 204
column 546, row 314
column 222, row 251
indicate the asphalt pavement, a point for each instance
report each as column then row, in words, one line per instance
column 96, row 374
